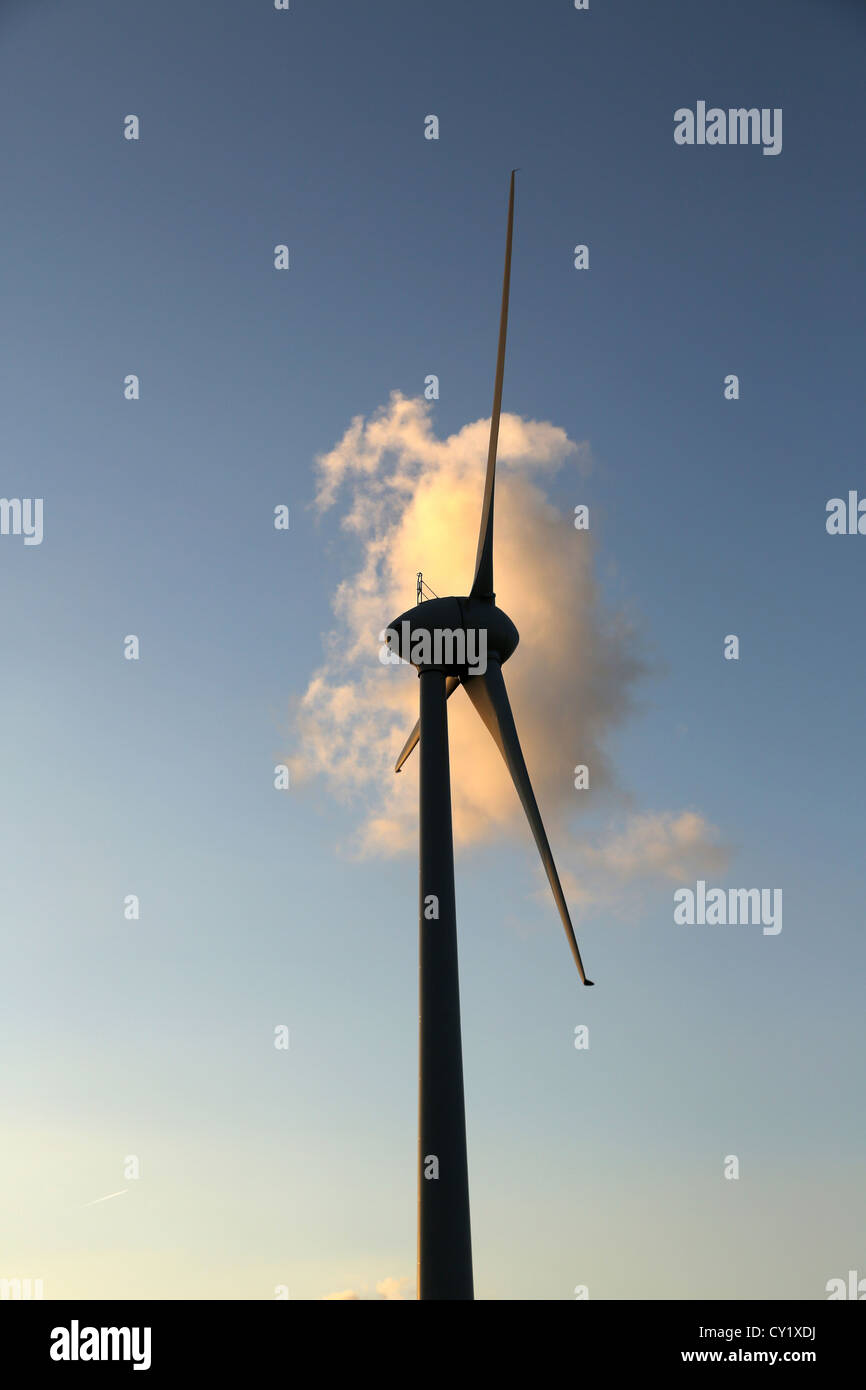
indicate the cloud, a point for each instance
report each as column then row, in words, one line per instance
column 388, row 1290
column 412, row 501
column 660, row 845
column 393, row 1289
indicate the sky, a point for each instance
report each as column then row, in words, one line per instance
column 139, row 1057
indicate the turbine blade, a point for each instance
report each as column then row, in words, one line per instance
column 490, row 697
column 482, row 584
column 451, row 685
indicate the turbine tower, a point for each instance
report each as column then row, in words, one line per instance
column 444, row 1238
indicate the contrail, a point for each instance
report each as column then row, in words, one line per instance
column 108, row 1198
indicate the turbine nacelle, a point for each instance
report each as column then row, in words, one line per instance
column 457, row 635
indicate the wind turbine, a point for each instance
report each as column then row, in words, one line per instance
column 444, row 1238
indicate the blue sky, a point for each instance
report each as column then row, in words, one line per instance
column 154, row 1038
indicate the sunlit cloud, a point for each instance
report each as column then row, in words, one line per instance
column 658, row 846
column 412, row 501
column 388, row 1290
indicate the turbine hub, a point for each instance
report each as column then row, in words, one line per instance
column 457, row 635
